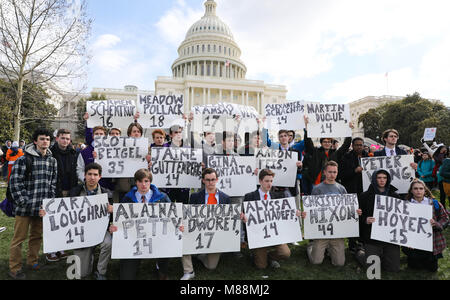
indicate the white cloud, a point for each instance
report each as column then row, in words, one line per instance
column 106, row 41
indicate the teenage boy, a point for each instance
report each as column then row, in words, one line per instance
column 33, row 179
column 209, row 196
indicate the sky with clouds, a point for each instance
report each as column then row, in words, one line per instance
column 323, row 50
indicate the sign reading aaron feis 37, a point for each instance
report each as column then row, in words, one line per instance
column 328, row 120
column 159, row 111
column 121, row 157
column 147, row 230
column 403, row 223
column 110, row 113
column 282, row 163
column 272, row 222
column 74, row 223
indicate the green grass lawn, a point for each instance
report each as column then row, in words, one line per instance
column 230, row 267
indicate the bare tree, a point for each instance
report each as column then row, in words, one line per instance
column 42, row 41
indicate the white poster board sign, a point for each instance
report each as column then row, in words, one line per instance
column 328, row 120
column 159, row 111
column 282, row 163
column 331, row 216
column 236, row 174
column 399, row 167
column 403, row 223
column 430, row 134
column 211, row 228
column 74, row 223
column 177, row 167
column 271, row 223
column 121, row 157
column 286, row 116
column 147, row 231
column 110, row 113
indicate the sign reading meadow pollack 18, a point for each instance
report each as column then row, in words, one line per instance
column 74, row 223
column 272, row 222
column 236, row 174
column 282, row 163
column 211, row 228
column 286, row 116
column 177, row 167
column 159, row 111
column 403, row 223
column 110, row 113
column 328, row 120
column 121, row 157
column 331, row 216
column 402, row 174
column 147, row 230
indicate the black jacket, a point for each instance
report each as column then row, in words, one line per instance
column 398, row 151
column 351, row 180
column 255, row 196
column 67, row 168
column 199, row 198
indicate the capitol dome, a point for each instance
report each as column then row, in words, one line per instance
column 209, row 49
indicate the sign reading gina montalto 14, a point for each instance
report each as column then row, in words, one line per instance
column 110, row 113
column 147, row 230
column 271, row 223
column 159, row 111
column 211, row 228
column 331, row 216
column 74, row 223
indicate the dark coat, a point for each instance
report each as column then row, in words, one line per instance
column 67, row 168
column 398, row 151
column 199, row 198
column 351, row 180
column 255, row 196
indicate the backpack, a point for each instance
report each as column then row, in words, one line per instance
column 8, row 205
column 437, row 208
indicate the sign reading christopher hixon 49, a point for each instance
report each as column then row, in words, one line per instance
column 403, row 223
column 272, row 222
column 211, row 228
column 147, row 230
column 159, row 111
column 286, row 116
column 110, row 113
column 328, row 120
column 74, row 223
column 331, row 216
column 121, row 157
column 282, row 163
column 177, row 167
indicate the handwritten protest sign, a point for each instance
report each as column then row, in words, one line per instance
column 121, row 157
column 236, row 174
column 286, row 116
column 211, row 229
column 110, row 113
column 159, row 111
column 403, row 223
column 282, row 163
column 271, row 223
column 147, row 230
column 331, row 216
column 328, row 120
column 74, row 223
column 430, row 134
column 177, row 167
column 402, row 174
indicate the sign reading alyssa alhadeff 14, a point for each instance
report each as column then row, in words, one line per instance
column 177, row 167
column 147, row 230
column 282, row 163
column 211, row 228
column 331, row 216
column 121, row 157
column 74, row 223
column 236, row 174
column 328, row 120
column 110, row 113
column 272, row 222
column 403, row 223
column 286, row 116
column 399, row 167
column 159, row 111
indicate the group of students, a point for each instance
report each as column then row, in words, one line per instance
column 57, row 171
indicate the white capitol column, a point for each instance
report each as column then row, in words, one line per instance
column 204, row 96
column 258, row 102
column 220, row 95
column 209, row 96
column 243, row 97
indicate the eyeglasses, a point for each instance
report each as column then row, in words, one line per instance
column 210, row 180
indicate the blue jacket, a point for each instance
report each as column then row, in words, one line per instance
column 157, row 197
column 199, row 198
column 425, row 169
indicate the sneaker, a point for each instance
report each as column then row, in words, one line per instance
column 99, row 276
column 2, row 229
column 52, row 257
column 188, row 276
column 274, row 264
column 62, row 254
column 17, row 276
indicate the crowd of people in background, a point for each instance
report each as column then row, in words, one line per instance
column 40, row 170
